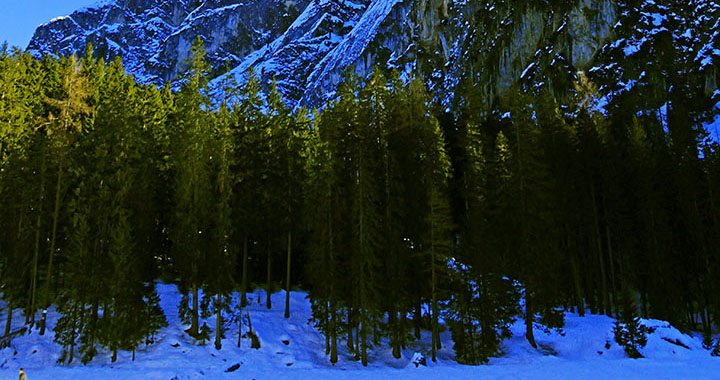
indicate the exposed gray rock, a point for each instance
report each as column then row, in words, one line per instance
column 307, row 45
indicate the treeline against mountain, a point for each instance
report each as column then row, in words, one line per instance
column 392, row 212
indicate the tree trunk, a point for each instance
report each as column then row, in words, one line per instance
column 19, row 239
column 350, row 340
column 194, row 328
column 56, row 214
column 243, row 283
column 8, row 323
column 613, row 290
column 363, row 338
column 611, row 259
column 94, row 319
column 403, row 324
column 218, row 324
column 287, row 279
column 577, row 283
column 240, row 326
column 417, row 319
column 268, row 287
column 601, row 260
column 529, row 316
column 357, row 341
column 434, row 341
column 333, row 312
column 114, row 356
column 333, row 334
column 394, row 335
column 36, row 254
column 326, row 323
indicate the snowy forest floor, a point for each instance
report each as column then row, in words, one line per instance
column 578, row 353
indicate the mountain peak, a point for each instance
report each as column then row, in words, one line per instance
column 306, row 45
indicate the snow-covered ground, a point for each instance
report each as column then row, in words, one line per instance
column 579, row 353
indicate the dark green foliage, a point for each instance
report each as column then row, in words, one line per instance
column 716, row 349
column 629, row 332
column 154, row 317
column 479, row 313
column 536, row 196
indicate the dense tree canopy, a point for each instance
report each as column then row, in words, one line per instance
column 391, row 213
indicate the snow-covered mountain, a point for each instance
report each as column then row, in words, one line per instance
column 307, row 45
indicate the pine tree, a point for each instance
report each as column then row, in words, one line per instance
column 19, row 167
column 69, row 107
column 192, row 192
column 74, row 297
column 246, row 119
column 629, row 332
column 221, row 255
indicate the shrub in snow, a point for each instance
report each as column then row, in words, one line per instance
column 630, row 334
column 479, row 313
column 184, row 311
column 68, row 328
column 716, row 348
column 156, row 319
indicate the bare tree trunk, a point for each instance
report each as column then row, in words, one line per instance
column 363, row 338
column 218, row 324
column 529, row 316
column 417, row 319
column 243, row 284
column 8, row 323
column 287, row 279
column 604, row 304
column 394, row 336
column 577, row 283
column 613, row 290
column 194, row 328
column 333, row 312
column 333, row 334
column 36, row 254
column 268, row 287
column 56, row 214
column 434, row 340
column 240, row 326
column 326, row 323
column 350, row 340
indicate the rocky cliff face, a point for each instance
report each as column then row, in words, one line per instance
column 307, row 45
column 154, row 36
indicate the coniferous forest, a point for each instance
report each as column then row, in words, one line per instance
column 391, row 211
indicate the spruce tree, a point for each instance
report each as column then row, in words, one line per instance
column 65, row 123
column 629, row 332
column 191, row 227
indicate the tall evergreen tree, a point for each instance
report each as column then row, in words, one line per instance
column 191, row 227
column 67, row 108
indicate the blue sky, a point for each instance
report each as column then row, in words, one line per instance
column 19, row 18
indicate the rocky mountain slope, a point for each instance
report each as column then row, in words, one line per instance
column 307, row 45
